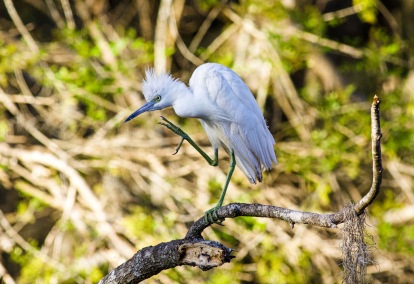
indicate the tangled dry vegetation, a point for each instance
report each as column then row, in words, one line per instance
column 80, row 192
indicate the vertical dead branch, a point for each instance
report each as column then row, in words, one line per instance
column 354, row 249
column 376, row 158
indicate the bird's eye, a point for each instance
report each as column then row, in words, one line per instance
column 157, row 98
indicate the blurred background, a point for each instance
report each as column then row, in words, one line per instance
column 80, row 192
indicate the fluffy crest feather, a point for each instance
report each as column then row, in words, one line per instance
column 154, row 84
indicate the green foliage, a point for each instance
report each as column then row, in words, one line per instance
column 33, row 268
column 4, row 129
column 90, row 73
column 398, row 239
column 387, row 202
column 215, row 187
column 139, row 223
column 273, row 10
column 398, row 131
column 293, row 52
column 224, row 57
column 368, row 10
column 310, row 19
column 226, row 237
column 207, row 4
column 14, row 57
column 330, row 149
column 221, row 278
column 275, row 269
column 96, row 274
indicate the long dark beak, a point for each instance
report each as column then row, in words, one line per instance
column 146, row 107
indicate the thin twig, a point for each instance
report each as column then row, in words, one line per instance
column 180, row 43
column 5, row 276
column 42, row 138
column 68, row 14
column 212, row 15
column 86, row 194
column 20, row 26
column 20, row 241
column 54, row 13
column 97, row 35
column 219, row 41
column 339, row 14
column 291, row 31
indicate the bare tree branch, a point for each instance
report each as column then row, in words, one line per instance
column 193, row 250
column 376, row 158
column 150, row 261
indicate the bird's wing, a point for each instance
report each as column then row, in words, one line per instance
column 244, row 94
column 218, row 77
column 221, row 77
column 244, row 128
column 241, row 90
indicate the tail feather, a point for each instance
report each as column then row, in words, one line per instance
column 253, row 149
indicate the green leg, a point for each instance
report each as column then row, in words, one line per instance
column 211, row 215
column 184, row 136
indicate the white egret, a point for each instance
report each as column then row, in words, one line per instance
column 228, row 112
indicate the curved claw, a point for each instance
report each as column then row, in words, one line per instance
column 176, row 130
column 211, row 217
column 179, row 146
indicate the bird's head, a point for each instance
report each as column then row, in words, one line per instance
column 160, row 92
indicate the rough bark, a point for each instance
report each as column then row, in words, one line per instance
column 151, row 260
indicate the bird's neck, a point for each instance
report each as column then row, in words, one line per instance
column 184, row 104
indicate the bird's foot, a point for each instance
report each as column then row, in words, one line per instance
column 171, row 126
column 211, row 216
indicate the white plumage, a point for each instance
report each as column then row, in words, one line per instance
column 226, row 109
